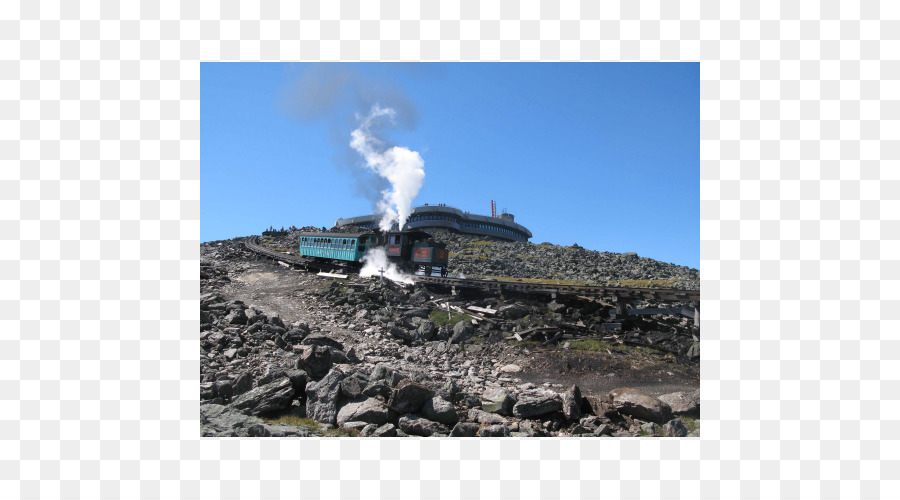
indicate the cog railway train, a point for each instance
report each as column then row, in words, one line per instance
column 410, row 251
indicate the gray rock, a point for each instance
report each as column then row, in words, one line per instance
column 415, row 425
column 683, row 403
column 496, row 430
column 298, row 379
column 208, row 390
column 386, row 430
column 555, row 306
column 571, row 403
column 496, row 400
column 531, row 429
column 322, row 340
column 461, row 331
column 230, row 354
column 536, row 406
column 378, row 389
column 409, row 397
column 426, row 330
column 675, row 428
column 355, row 425
column 273, row 372
column 481, row 416
column 243, row 383
column 651, row 429
column 224, row 421
column 352, row 386
column 465, row 429
column 315, row 360
column 440, row 410
column 402, row 333
column 266, row 398
column 225, row 389
column 639, row 404
column 322, row 398
column 236, row 317
column 368, row 410
column 512, row 311
column 603, row 430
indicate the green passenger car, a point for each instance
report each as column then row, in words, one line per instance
column 341, row 246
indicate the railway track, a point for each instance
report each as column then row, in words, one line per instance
column 619, row 294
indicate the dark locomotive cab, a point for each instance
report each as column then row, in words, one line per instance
column 415, row 250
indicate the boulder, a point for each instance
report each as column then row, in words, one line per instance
column 225, row 389
column 298, row 379
column 419, row 426
column 352, row 386
column 465, row 429
column 322, row 340
column 426, row 330
column 236, row 317
column 535, row 406
column 571, row 403
column 683, row 403
column 322, row 398
column 367, row 410
column 481, row 416
column 440, row 410
column 495, row 430
column 675, row 428
column 409, row 397
column 496, row 400
column 512, row 311
column 243, row 383
column 223, row 421
column 639, row 404
column 386, row 430
column 651, row 429
column 555, row 306
column 402, row 333
column 510, row 368
column 266, row 398
column 315, row 360
column 461, row 331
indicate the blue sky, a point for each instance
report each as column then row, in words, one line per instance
column 606, row 155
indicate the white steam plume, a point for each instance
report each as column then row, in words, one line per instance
column 375, row 260
column 400, row 166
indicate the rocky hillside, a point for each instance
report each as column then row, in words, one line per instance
column 478, row 257
column 491, row 258
column 288, row 353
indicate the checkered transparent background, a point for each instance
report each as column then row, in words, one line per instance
column 99, row 220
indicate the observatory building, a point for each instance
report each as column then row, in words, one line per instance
column 441, row 217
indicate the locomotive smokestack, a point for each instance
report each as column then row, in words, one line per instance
column 400, row 166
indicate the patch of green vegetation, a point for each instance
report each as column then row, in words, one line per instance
column 341, row 432
column 591, row 345
column 658, row 283
column 297, row 422
column 476, row 340
column 536, row 280
column 690, row 423
column 439, row 317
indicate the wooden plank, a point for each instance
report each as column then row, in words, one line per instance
column 332, row 275
column 487, row 310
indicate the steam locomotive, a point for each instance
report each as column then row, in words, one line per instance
column 410, row 251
